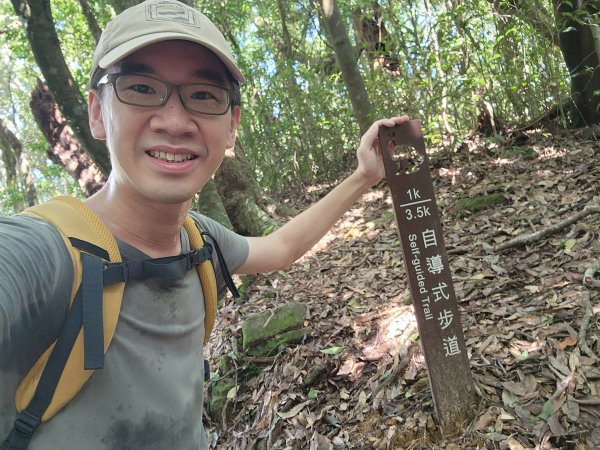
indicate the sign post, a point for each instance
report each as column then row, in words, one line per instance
column 430, row 279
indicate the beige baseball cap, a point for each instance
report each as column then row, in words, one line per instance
column 155, row 21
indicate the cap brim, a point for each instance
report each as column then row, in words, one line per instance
column 133, row 45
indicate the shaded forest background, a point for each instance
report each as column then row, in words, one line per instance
column 318, row 72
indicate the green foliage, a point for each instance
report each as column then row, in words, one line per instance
column 76, row 41
column 437, row 61
column 10, row 196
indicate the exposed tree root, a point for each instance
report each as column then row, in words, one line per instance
column 529, row 238
column 402, row 364
column 585, row 321
column 589, row 281
column 588, row 276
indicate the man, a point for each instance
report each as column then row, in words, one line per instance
column 165, row 97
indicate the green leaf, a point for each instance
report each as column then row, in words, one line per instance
column 547, row 410
column 333, row 350
column 523, row 356
column 355, row 305
column 509, row 399
column 232, row 393
column 570, row 243
column 312, row 394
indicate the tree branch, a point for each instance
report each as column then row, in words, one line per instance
column 529, row 238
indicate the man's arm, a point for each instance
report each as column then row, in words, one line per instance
column 281, row 248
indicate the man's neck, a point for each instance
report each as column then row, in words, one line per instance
column 153, row 228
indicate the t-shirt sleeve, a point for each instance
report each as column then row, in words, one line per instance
column 36, row 277
column 234, row 247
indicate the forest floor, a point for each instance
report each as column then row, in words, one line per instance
column 531, row 316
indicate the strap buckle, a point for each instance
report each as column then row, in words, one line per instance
column 27, row 423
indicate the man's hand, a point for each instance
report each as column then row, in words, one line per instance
column 370, row 163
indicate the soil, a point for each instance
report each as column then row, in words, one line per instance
column 530, row 315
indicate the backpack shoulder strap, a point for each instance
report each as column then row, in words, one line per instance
column 206, row 272
column 84, row 233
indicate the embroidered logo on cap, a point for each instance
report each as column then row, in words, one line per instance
column 172, row 12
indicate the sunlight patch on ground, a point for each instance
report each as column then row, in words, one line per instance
column 502, row 161
column 351, row 223
column 396, row 328
column 375, row 195
column 550, row 152
column 452, row 173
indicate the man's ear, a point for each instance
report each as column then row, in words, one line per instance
column 236, row 113
column 95, row 115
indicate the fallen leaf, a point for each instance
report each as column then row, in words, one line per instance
column 332, row 350
column 513, row 444
column 571, row 409
column 570, row 243
column 547, row 410
column 232, row 393
column 293, row 411
column 567, row 342
column 509, row 399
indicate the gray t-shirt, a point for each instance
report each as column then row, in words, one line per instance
column 150, row 393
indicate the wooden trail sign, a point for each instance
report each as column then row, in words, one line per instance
column 430, row 279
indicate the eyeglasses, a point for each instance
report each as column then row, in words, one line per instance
column 144, row 90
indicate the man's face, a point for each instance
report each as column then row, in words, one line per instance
column 164, row 154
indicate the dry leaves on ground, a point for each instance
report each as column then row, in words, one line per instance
column 523, row 312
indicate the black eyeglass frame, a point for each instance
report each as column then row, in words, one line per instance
column 111, row 78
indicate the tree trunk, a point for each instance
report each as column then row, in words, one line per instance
column 93, row 26
column 49, row 57
column 16, row 162
column 9, row 156
column 372, row 37
column 121, row 5
column 347, row 61
column 578, row 46
column 209, row 203
column 441, row 74
column 65, row 149
column 240, row 194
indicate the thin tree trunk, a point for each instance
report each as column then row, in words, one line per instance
column 441, row 74
column 65, row 148
column 16, row 163
column 8, row 145
column 302, row 135
column 49, row 57
column 531, row 11
column 578, row 46
column 91, row 20
column 347, row 61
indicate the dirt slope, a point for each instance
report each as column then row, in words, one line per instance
column 531, row 323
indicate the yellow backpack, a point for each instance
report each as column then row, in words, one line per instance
column 98, row 285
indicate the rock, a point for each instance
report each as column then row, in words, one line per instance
column 314, row 375
column 266, row 333
column 218, row 399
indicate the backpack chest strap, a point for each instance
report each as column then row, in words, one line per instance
column 167, row 268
